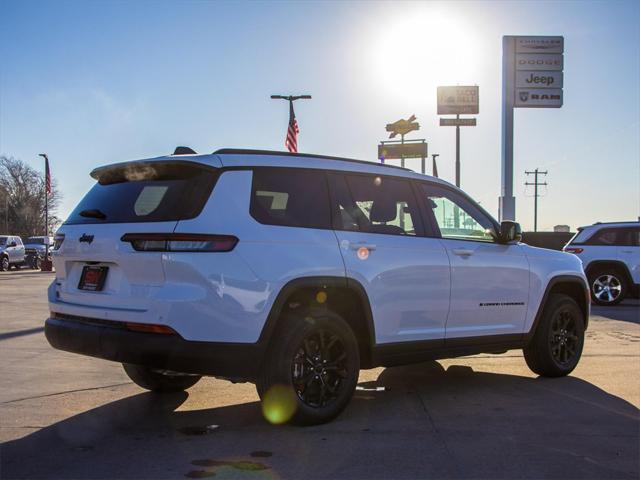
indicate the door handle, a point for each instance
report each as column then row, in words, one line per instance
column 359, row 245
column 463, row 252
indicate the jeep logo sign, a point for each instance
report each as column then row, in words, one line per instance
column 538, row 79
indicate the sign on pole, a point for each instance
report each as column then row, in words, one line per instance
column 402, row 126
column 457, row 122
column 458, row 100
column 532, row 77
column 388, row 151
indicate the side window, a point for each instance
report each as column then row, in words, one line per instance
column 635, row 237
column 456, row 216
column 611, row 237
column 290, row 197
column 374, row 204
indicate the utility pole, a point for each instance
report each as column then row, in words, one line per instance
column 535, row 184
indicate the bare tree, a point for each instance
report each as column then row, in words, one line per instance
column 22, row 199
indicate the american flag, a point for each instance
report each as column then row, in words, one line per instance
column 291, row 141
column 47, row 174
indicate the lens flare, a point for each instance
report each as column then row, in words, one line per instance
column 321, row 297
column 279, row 404
column 363, row 253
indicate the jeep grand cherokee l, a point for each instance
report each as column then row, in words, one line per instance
column 295, row 271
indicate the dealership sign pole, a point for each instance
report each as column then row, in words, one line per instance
column 532, row 77
column 456, row 101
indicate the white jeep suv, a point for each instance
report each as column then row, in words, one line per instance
column 610, row 254
column 295, row 271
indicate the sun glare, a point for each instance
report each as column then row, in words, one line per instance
column 416, row 52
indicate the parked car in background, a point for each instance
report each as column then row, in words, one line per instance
column 11, row 252
column 610, row 254
column 35, row 250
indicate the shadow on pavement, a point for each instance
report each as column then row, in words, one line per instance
column 627, row 311
column 20, row 333
column 413, row 422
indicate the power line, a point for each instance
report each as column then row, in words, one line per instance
column 535, row 184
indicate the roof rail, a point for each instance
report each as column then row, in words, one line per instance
column 240, row 151
column 610, row 223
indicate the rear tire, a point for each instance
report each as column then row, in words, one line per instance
column 556, row 346
column 608, row 285
column 156, row 381
column 314, row 363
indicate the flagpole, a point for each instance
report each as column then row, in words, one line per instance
column 291, row 99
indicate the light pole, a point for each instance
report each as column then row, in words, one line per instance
column 46, row 207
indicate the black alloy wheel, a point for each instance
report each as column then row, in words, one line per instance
column 319, row 368
column 555, row 348
column 564, row 339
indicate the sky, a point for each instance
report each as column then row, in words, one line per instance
column 92, row 83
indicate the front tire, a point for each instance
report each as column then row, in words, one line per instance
column 608, row 286
column 556, row 347
column 157, row 381
column 314, row 361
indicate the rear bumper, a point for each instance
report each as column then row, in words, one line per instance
column 112, row 341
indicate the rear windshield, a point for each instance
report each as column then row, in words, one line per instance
column 35, row 241
column 146, row 193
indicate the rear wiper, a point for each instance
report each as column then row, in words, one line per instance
column 93, row 213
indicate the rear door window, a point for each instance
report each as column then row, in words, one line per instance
column 611, row 237
column 150, row 193
column 290, row 197
column 374, row 204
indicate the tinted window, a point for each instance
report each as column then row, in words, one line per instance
column 374, row 204
column 3, row 240
column 456, row 216
column 290, row 197
column 146, row 193
column 35, row 241
column 611, row 237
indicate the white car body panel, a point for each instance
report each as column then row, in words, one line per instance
column 418, row 288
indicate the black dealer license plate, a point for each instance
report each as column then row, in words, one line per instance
column 93, row 278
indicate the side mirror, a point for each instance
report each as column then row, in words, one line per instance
column 510, row 231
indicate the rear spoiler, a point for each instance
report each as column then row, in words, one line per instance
column 149, row 168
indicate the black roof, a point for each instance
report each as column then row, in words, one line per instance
column 241, row 151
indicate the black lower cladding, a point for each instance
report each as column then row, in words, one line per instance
column 111, row 341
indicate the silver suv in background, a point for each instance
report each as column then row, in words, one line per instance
column 11, row 252
column 610, row 254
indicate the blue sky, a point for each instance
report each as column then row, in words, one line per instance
column 97, row 82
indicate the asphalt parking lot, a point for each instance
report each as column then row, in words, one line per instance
column 67, row 416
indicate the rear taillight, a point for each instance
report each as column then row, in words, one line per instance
column 57, row 240
column 574, row 250
column 180, row 242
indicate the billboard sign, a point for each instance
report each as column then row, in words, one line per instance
column 458, row 100
column 538, row 79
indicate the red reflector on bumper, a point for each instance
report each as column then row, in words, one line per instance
column 150, row 328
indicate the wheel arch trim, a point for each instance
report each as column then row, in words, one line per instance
column 317, row 281
column 553, row 282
